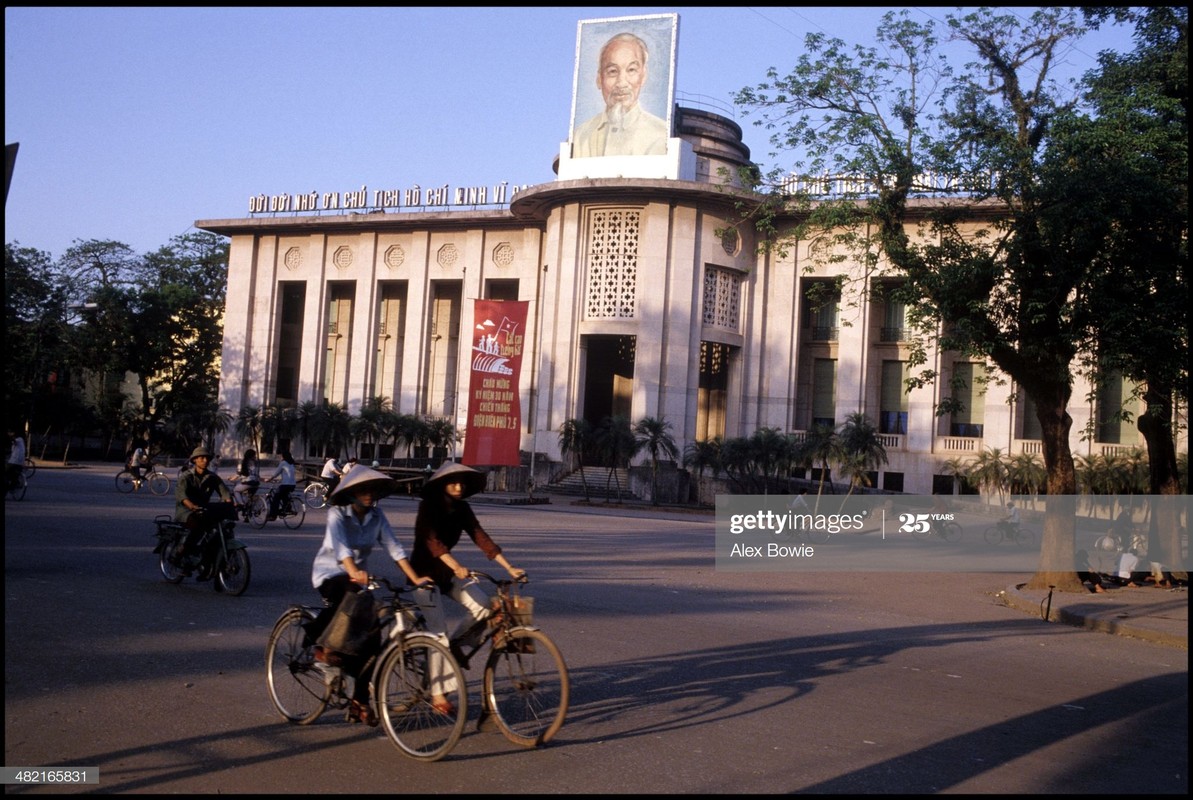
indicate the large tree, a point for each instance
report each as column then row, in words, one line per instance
column 899, row 118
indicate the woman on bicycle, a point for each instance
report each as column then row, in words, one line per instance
column 355, row 525
column 287, row 479
column 443, row 515
column 250, row 477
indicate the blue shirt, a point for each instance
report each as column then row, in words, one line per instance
column 348, row 536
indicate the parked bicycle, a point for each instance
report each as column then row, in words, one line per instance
column 412, row 666
column 157, row 481
column 1018, row 534
column 315, row 493
column 292, row 511
column 526, row 688
column 223, row 559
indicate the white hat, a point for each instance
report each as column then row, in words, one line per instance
column 451, row 472
column 380, row 484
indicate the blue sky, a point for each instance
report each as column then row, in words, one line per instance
column 135, row 123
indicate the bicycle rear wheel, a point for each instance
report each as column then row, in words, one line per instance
column 30, row 468
column 526, row 687
column 293, row 512
column 124, row 482
column 950, row 531
column 413, row 670
column 18, row 488
column 299, row 690
column 159, row 484
column 258, row 511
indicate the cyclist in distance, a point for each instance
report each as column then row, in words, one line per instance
column 16, row 457
column 355, row 525
column 1010, row 523
column 250, row 477
column 331, row 474
column 193, row 507
column 139, row 463
column 443, row 516
column 287, row 479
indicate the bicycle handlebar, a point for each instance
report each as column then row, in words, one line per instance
column 499, row 581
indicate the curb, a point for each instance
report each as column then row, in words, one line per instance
column 1013, row 597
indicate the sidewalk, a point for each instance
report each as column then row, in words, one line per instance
column 1155, row 615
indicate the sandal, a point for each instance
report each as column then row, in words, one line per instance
column 443, row 706
column 359, row 712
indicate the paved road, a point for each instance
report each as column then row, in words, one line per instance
column 685, row 679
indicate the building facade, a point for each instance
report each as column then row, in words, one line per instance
column 646, row 298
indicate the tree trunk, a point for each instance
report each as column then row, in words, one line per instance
column 1057, row 544
column 1155, row 424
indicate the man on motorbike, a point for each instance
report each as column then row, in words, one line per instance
column 193, row 507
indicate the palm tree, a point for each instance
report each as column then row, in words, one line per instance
column 654, row 436
column 616, row 443
column 248, row 425
column 575, row 438
column 700, row 455
column 859, row 437
column 989, row 472
column 406, row 433
column 856, row 468
column 307, row 414
column 770, row 450
column 822, row 444
column 442, row 433
column 339, row 427
column 958, row 468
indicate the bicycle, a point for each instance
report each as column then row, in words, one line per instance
column 315, row 493
column 996, row 533
column 157, row 481
column 946, row 530
column 291, row 512
column 413, row 665
column 526, row 688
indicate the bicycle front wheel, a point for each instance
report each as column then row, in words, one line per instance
column 159, row 484
column 30, row 468
column 1025, row 537
column 315, row 495
column 994, row 535
column 526, row 687
column 299, row 690
column 293, row 512
column 950, row 531
column 124, row 482
column 232, row 574
column 412, row 672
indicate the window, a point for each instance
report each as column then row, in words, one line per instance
column 894, row 321
column 1116, row 411
column 969, row 393
column 824, row 392
column 893, row 415
column 822, row 310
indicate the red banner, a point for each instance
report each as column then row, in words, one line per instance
column 494, row 430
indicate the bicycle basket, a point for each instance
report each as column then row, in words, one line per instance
column 523, row 614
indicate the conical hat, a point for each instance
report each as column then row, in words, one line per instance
column 363, row 477
column 473, row 480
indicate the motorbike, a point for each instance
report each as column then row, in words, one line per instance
column 223, row 559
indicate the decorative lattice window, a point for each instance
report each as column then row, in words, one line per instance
column 503, row 254
column 722, row 292
column 293, row 259
column 342, row 257
column 613, row 263
column 448, row 256
column 394, row 256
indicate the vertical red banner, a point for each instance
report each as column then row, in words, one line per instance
column 493, row 432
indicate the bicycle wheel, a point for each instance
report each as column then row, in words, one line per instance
column 124, row 482
column 19, row 487
column 170, row 571
column 1025, row 537
column 258, row 511
column 159, row 484
column 1108, row 543
column 30, row 468
column 950, row 531
column 232, row 573
column 411, row 671
column 299, row 690
column 526, row 687
column 315, row 495
column 994, row 535
column 293, row 512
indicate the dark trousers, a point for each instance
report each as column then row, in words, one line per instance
column 333, row 590
column 280, row 496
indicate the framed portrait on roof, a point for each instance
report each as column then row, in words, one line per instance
column 623, row 88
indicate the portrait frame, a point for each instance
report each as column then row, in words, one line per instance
column 660, row 32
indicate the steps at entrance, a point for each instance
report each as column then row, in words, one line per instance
column 596, row 478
